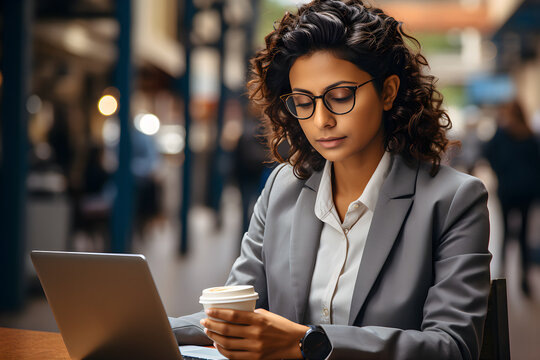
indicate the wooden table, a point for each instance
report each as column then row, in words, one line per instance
column 30, row 344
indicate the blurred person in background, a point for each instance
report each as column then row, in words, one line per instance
column 514, row 155
column 94, row 203
column 465, row 157
column 250, row 156
column 361, row 245
column 145, row 163
column 99, row 191
column 59, row 139
column 253, row 165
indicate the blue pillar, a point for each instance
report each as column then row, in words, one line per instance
column 123, row 204
column 217, row 177
column 16, row 46
column 185, row 31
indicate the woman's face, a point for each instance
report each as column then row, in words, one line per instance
column 352, row 137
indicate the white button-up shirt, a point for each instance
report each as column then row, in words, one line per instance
column 341, row 247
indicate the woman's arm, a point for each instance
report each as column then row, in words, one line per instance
column 456, row 304
column 247, row 269
column 188, row 330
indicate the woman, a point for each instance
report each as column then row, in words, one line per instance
column 361, row 244
column 514, row 155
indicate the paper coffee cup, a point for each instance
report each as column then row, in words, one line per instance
column 236, row 297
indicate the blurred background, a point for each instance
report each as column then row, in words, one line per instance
column 125, row 128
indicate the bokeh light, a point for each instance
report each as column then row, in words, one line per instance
column 111, row 131
column 171, row 139
column 33, row 104
column 147, row 123
column 107, row 105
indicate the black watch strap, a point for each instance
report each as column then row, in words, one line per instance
column 315, row 344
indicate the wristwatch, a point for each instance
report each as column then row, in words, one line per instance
column 315, row 345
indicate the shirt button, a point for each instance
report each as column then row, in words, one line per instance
column 356, row 206
column 346, row 231
column 325, row 311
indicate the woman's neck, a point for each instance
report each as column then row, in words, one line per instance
column 349, row 178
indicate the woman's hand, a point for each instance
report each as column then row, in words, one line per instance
column 254, row 335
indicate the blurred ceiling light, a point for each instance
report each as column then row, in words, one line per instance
column 111, row 131
column 43, row 151
column 206, row 27
column 238, row 11
column 107, row 105
column 171, row 139
column 147, row 123
column 76, row 39
column 33, row 104
column 172, row 143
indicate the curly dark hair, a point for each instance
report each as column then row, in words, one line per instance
column 351, row 30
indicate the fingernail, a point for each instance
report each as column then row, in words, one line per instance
column 203, row 322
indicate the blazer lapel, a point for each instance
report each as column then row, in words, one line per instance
column 395, row 200
column 305, row 237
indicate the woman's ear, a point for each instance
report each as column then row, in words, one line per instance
column 389, row 92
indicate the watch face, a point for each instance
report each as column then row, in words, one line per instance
column 316, row 345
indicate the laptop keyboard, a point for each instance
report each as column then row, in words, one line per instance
column 200, row 353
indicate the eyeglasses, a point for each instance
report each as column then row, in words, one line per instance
column 338, row 100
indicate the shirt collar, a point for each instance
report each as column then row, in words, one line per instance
column 324, row 201
column 371, row 192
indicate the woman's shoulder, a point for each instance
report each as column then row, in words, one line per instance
column 284, row 173
column 447, row 182
column 282, row 176
column 283, row 181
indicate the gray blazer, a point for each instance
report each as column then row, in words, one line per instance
column 422, row 285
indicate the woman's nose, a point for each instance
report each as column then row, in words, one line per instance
column 322, row 117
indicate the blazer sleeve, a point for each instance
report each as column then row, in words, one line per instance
column 247, row 269
column 456, row 305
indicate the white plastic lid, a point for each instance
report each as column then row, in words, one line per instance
column 228, row 294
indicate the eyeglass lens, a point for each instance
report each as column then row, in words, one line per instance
column 339, row 100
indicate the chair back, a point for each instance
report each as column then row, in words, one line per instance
column 496, row 342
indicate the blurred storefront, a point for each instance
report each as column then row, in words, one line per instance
column 484, row 53
column 130, row 110
column 518, row 53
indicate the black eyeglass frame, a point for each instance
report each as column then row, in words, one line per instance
column 284, row 98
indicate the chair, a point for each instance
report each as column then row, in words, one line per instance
column 496, row 343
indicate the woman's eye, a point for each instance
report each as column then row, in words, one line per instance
column 341, row 99
column 339, row 95
column 302, row 101
column 303, row 105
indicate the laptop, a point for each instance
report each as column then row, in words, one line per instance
column 107, row 307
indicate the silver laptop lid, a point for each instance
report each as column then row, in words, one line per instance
column 106, row 305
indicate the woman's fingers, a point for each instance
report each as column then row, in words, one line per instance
column 232, row 316
column 253, row 335
column 224, row 328
column 232, row 343
column 237, row 355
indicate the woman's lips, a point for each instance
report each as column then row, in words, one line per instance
column 331, row 142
